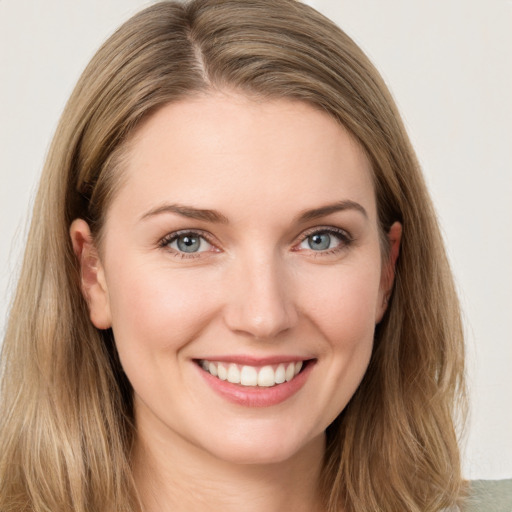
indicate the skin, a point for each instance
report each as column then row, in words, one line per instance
column 255, row 288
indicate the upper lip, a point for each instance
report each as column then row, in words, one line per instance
column 253, row 360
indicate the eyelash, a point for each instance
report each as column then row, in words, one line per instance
column 171, row 237
column 344, row 237
column 345, row 240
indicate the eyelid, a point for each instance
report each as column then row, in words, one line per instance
column 171, row 237
column 345, row 237
column 326, row 229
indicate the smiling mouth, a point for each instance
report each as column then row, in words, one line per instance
column 259, row 376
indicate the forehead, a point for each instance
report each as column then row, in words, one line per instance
column 225, row 149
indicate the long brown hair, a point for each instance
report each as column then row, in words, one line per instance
column 66, row 418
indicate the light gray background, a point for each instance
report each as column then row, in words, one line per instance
column 449, row 66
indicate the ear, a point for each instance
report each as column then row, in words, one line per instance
column 387, row 279
column 92, row 275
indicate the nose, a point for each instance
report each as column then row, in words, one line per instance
column 260, row 302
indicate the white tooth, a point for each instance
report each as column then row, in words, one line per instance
column 212, row 368
column 290, row 372
column 248, row 376
column 205, row 365
column 222, row 373
column 280, row 376
column 266, row 377
column 298, row 366
column 233, row 374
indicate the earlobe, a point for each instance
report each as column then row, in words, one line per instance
column 92, row 275
column 394, row 236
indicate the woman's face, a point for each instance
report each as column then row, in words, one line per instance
column 242, row 245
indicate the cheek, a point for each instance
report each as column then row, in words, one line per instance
column 347, row 323
column 154, row 309
column 343, row 304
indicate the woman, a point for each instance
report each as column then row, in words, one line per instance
column 234, row 292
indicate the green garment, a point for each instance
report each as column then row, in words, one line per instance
column 489, row 496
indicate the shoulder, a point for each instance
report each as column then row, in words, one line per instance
column 489, row 496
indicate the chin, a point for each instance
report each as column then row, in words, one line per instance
column 262, row 450
column 256, row 457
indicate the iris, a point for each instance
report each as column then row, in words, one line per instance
column 319, row 241
column 188, row 243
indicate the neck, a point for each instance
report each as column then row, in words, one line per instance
column 172, row 474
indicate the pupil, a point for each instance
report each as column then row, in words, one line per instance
column 188, row 243
column 319, row 242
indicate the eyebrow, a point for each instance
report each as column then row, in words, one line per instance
column 188, row 211
column 323, row 211
column 216, row 217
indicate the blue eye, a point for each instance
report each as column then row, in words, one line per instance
column 319, row 241
column 325, row 240
column 187, row 243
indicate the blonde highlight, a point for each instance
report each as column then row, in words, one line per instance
column 66, row 418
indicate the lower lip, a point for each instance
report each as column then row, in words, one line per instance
column 254, row 396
